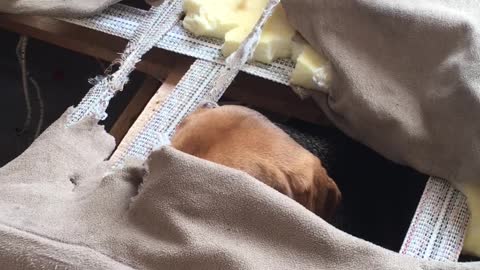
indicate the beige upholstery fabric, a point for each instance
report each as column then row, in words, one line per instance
column 61, row 8
column 61, row 206
column 408, row 86
column 408, row 77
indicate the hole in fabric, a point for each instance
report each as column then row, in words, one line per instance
column 74, row 179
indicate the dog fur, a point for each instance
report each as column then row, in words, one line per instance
column 243, row 139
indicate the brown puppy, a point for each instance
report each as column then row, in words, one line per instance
column 244, row 139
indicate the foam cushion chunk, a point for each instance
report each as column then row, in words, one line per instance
column 233, row 20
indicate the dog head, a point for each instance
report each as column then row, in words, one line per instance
column 243, row 139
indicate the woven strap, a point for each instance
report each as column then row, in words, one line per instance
column 156, row 23
column 121, row 21
column 192, row 89
column 438, row 228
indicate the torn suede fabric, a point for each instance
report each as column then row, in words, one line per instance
column 63, row 207
column 407, row 80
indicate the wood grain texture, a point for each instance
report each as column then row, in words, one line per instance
column 134, row 107
column 179, row 69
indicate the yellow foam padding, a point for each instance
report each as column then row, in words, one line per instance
column 472, row 240
column 233, row 20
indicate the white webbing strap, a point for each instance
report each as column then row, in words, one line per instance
column 120, row 20
column 159, row 125
column 438, row 228
column 157, row 22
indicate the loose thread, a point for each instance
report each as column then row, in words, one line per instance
column 21, row 56
column 41, row 106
